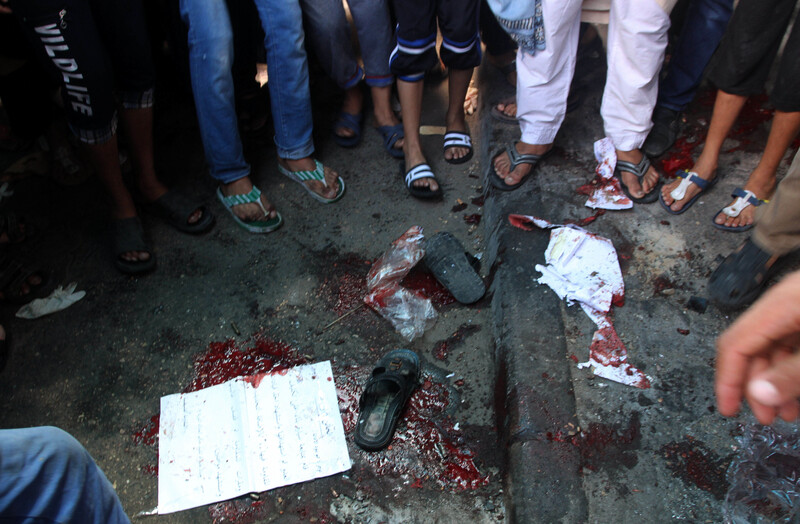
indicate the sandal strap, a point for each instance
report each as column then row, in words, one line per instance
column 317, row 174
column 640, row 169
column 744, row 198
column 417, row 172
column 129, row 236
column 349, row 121
column 688, row 178
column 391, row 134
column 518, row 158
column 457, row 139
column 253, row 197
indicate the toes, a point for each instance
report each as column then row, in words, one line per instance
column 196, row 216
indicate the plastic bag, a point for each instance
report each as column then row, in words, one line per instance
column 409, row 313
column 765, row 477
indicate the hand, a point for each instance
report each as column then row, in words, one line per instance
column 758, row 357
column 471, row 100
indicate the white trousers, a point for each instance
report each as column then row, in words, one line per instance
column 637, row 39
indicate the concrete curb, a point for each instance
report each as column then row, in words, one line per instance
column 535, row 398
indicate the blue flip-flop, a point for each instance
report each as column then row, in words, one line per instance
column 744, row 198
column 688, row 178
column 391, row 134
column 351, row 122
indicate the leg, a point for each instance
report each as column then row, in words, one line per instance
column 210, row 39
column 410, row 94
column 46, row 475
column 289, row 93
column 542, row 86
column 637, row 39
column 500, row 48
column 785, row 127
column 457, row 92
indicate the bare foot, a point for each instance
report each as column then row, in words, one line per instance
column 704, row 170
column 762, row 187
column 248, row 212
column 650, row 179
column 327, row 190
column 455, row 122
column 508, row 109
column 502, row 163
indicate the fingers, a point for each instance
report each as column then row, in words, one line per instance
column 765, row 413
column 778, row 386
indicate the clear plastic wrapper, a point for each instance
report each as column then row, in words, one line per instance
column 409, row 313
column 764, row 477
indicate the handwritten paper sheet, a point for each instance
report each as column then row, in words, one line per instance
column 249, row 434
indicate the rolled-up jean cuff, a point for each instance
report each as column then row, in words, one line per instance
column 304, row 151
column 137, row 99
column 96, row 136
column 628, row 141
column 379, row 81
column 539, row 136
column 354, row 79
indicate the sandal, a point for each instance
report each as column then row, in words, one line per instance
column 317, row 174
column 415, row 173
column 500, row 115
column 447, row 259
column 687, row 178
column 253, row 197
column 15, row 228
column 351, row 122
column 391, row 134
column 744, row 198
column 128, row 235
column 740, row 278
column 176, row 209
column 516, row 159
column 457, row 139
column 640, row 170
column 385, row 394
column 13, row 276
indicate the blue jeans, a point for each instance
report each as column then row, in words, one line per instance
column 210, row 62
column 47, row 476
column 287, row 65
column 329, row 33
column 702, row 30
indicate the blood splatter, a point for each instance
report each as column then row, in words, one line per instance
column 442, row 348
column 424, row 283
column 148, row 434
column 238, row 511
column 692, row 462
column 604, row 444
column 683, row 332
column 459, row 207
column 473, row 219
column 660, row 284
column 426, row 444
column 478, row 200
column 588, row 220
column 345, row 284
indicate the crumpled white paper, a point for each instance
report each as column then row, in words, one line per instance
column 608, row 193
column 583, row 267
column 60, row 298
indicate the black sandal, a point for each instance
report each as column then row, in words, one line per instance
column 14, row 275
column 447, row 259
column 129, row 236
column 385, row 394
column 741, row 277
column 640, row 170
column 176, row 208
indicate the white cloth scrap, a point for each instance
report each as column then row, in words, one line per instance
column 583, row 267
column 60, row 298
column 608, row 194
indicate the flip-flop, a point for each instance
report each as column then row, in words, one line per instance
column 253, row 197
column 446, row 258
column 351, row 122
column 301, row 177
column 457, row 139
column 393, row 380
column 415, row 173
column 128, row 235
column 687, row 178
column 501, row 116
column 743, row 198
column 516, row 159
column 640, row 170
column 741, row 277
column 176, row 208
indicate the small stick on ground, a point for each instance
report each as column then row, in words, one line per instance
column 342, row 317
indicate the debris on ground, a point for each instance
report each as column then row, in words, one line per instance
column 410, row 313
column 606, row 191
column 61, row 298
column 583, row 267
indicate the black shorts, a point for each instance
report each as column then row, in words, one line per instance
column 749, row 47
column 97, row 49
column 415, row 51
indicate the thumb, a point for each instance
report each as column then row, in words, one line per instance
column 777, row 385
